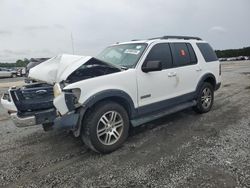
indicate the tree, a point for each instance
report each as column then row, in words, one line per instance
column 22, row 63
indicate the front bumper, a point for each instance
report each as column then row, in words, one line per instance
column 23, row 122
column 40, row 117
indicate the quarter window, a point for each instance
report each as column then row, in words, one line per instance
column 207, row 52
column 161, row 52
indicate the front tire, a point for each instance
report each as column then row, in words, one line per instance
column 205, row 98
column 13, row 75
column 105, row 127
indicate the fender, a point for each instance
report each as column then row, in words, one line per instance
column 111, row 93
column 202, row 79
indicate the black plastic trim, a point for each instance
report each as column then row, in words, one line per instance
column 177, row 37
column 203, row 78
column 217, row 86
column 112, row 93
column 165, row 104
column 69, row 100
column 46, row 116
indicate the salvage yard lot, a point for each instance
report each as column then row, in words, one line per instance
column 180, row 150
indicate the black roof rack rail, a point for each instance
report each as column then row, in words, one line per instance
column 176, row 37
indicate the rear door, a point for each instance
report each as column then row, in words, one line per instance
column 188, row 70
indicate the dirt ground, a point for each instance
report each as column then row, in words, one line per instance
column 180, row 150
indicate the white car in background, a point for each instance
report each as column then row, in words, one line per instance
column 7, row 73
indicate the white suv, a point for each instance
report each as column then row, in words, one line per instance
column 129, row 84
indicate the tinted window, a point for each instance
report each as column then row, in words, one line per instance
column 182, row 54
column 193, row 58
column 161, row 52
column 207, row 52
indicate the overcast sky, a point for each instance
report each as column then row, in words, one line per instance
column 42, row 28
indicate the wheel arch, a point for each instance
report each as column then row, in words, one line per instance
column 115, row 95
column 210, row 78
column 118, row 96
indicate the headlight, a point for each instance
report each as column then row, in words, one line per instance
column 77, row 94
column 72, row 97
column 57, row 90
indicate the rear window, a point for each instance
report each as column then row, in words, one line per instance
column 183, row 54
column 207, row 52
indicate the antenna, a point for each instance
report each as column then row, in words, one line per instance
column 72, row 43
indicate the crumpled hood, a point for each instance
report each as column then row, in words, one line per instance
column 57, row 68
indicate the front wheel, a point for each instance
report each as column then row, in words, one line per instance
column 105, row 127
column 205, row 98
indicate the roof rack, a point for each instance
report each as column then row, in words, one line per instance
column 176, row 37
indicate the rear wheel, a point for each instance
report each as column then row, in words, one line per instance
column 105, row 127
column 205, row 98
column 13, row 75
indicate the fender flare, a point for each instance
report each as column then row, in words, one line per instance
column 202, row 79
column 111, row 93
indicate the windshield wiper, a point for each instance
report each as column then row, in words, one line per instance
column 124, row 68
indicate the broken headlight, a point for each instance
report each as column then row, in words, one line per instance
column 57, row 90
column 75, row 93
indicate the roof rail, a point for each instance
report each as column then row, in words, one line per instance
column 176, row 37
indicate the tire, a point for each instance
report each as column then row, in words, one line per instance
column 47, row 126
column 205, row 98
column 111, row 120
column 13, row 75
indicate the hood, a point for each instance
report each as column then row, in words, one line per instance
column 57, row 68
column 71, row 68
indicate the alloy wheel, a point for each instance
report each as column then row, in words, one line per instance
column 110, row 128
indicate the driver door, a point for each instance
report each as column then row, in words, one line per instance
column 154, row 88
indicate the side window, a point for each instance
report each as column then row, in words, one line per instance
column 207, row 52
column 193, row 58
column 161, row 52
column 183, row 54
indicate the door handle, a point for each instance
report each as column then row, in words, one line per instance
column 198, row 69
column 172, row 74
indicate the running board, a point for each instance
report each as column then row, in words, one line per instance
column 148, row 118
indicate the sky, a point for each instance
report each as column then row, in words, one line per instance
column 43, row 28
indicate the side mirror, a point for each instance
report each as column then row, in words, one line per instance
column 150, row 66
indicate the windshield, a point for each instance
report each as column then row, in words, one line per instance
column 123, row 55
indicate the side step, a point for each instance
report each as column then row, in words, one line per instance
column 148, row 118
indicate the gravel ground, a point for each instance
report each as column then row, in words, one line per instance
column 180, row 150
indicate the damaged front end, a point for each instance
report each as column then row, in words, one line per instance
column 48, row 102
column 30, row 105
